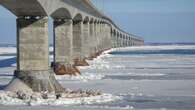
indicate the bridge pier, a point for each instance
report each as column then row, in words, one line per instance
column 121, row 40
column 103, row 37
column 112, row 39
column 78, row 56
column 115, row 40
column 91, row 40
column 128, row 43
column 98, row 37
column 86, row 39
column 124, row 41
column 108, row 43
column 94, row 39
column 118, row 41
column 63, row 39
column 33, row 70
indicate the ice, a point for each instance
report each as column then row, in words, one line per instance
column 84, row 77
column 140, row 82
column 7, row 50
column 169, row 47
column 9, row 98
column 146, row 74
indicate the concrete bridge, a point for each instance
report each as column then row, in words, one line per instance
column 80, row 32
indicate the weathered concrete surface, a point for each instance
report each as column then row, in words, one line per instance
column 63, row 43
column 108, row 41
column 91, row 39
column 98, row 37
column 77, row 39
column 115, row 39
column 95, row 36
column 78, row 49
column 86, row 39
column 63, row 39
column 36, row 80
column 32, row 44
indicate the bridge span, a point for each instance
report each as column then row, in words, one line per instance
column 80, row 32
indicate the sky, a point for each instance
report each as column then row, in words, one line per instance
column 154, row 20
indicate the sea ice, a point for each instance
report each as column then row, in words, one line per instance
column 11, row 98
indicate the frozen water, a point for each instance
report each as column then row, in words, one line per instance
column 145, row 78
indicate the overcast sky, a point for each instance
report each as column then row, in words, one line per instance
column 154, row 20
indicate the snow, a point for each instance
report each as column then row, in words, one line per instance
column 84, row 77
column 146, row 82
column 9, row 98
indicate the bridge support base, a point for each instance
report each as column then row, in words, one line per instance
column 65, row 69
column 80, row 62
column 37, row 81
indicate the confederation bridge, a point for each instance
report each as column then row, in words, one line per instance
column 80, row 32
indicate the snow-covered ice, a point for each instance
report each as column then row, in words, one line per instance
column 141, row 81
column 9, row 98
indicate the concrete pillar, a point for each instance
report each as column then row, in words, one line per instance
column 63, row 47
column 108, row 36
column 118, row 39
column 95, row 36
column 102, row 36
column 77, row 39
column 86, row 39
column 121, row 40
column 129, row 41
column 32, row 44
column 33, row 69
column 133, row 42
column 123, row 37
column 112, row 38
column 115, row 36
column 98, row 37
column 92, row 40
column 63, row 41
column 78, row 54
column 125, row 40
